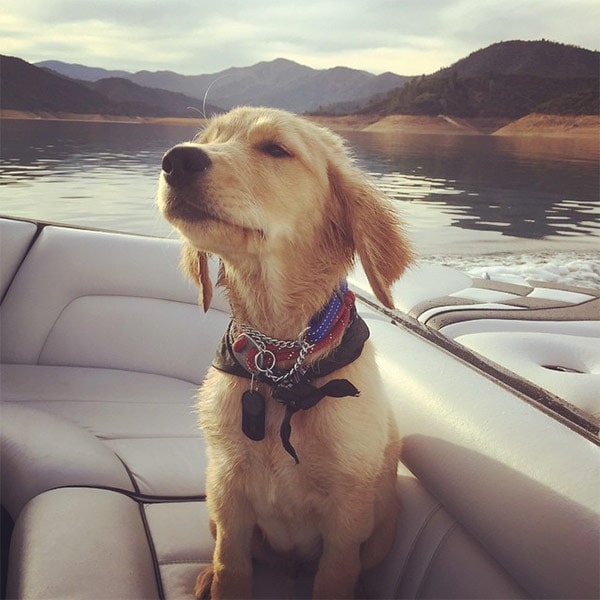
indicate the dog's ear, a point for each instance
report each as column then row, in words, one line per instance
column 195, row 264
column 374, row 229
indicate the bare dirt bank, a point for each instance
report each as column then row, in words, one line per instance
column 553, row 125
column 63, row 116
column 531, row 125
column 423, row 124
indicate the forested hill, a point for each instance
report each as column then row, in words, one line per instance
column 508, row 79
column 540, row 58
column 26, row 87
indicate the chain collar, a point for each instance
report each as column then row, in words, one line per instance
column 259, row 354
column 294, row 387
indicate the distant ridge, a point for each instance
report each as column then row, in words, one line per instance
column 280, row 83
column 81, row 72
column 26, row 87
column 29, row 88
column 505, row 81
column 162, row 102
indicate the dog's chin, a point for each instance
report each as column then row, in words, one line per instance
column 177, row 209
column 210, row 232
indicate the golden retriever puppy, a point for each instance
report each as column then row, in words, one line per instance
column 302, row 445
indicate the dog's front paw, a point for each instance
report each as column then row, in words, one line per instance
column 212, row 584
column 204, row 583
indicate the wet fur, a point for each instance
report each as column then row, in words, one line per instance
column 287, row 228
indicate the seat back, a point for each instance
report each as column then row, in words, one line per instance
column 95, row 299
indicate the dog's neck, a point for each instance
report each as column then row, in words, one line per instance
column 276, row 303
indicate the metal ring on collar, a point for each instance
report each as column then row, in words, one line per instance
column 259, row 361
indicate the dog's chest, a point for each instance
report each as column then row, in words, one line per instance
column 287, row 506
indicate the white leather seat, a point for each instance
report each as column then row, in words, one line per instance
column 522, row 483
column 514, row 325
column 101, row 331
column 154, row 550
column 566, row 365
column 16, row 237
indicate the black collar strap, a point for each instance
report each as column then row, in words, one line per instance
column 301, row 394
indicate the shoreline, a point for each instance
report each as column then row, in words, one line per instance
column 30, row 115
column 531, row 125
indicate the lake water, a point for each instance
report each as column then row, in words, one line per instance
column 514, row 207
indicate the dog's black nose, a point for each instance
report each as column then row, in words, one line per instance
column 181, row 164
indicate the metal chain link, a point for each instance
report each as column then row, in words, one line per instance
column 258, row 336
column 260, row 339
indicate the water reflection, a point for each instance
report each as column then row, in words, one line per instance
column 515, row 187
column 455, row 189
column 509, row 212
column 32, row 149
column 90, row 174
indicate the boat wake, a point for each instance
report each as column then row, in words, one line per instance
column 567, row 268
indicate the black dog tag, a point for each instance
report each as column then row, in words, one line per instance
column 253, row 415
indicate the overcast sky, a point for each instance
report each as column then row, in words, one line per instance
column 408, row 37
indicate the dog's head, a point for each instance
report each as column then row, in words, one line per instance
column 266, row 185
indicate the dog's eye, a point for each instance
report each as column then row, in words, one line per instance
column 274, row 150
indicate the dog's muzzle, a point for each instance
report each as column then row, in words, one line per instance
column 182, row 164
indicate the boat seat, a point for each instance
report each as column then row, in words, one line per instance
column 566, row 365
column 545, row 333
column 129, row 431
column 16, row 238
column 104, row 359
column 155, row 549
column 102, row 472
column 83, row 298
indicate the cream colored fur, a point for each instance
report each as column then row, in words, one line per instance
column 287, row 211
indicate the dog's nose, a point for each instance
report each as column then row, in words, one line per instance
column 181, row 164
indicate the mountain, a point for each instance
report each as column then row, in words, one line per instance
column 81, row 72
column 161, row 102
column 536, row 58
column 509, row 79
column 280, row 83
column 27, row 87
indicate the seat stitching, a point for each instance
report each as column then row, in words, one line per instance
column 438, row 549
column 413, row 545
column 153, row 553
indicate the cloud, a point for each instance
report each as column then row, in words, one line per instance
column 485, row 21
column 197, row 36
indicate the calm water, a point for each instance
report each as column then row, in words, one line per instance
column 529, row 206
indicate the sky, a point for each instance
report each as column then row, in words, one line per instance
column 407, row 37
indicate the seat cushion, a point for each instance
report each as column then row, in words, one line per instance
column 41, row 451
column 95, row 299
column 126, row 430
column 97, row 543
column 566, row 365
column 522, row 483
column 81, row 543
column 108, row 403
column 433, row 556
column 15, row 238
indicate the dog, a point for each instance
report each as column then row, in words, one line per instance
column 302, row 446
